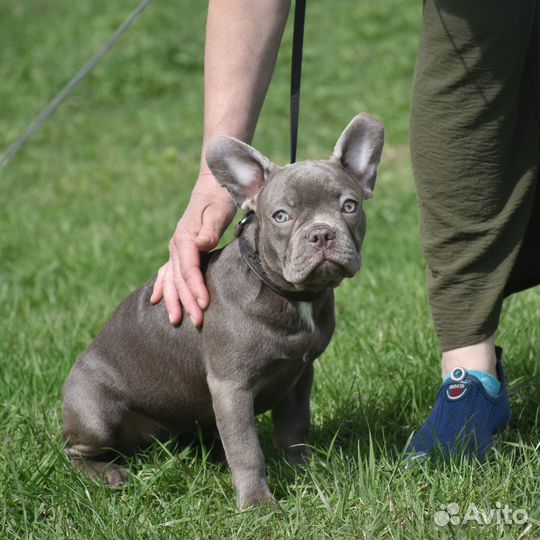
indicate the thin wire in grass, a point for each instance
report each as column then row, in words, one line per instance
column 47, row 112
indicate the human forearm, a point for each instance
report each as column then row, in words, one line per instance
column 242, row 42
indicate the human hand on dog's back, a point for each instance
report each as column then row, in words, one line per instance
column 242, row 42
column 180, row 281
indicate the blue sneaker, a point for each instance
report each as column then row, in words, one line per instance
column 464, row 419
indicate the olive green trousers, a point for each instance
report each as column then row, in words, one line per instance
column 475, row 132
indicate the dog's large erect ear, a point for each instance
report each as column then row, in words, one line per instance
column 359, row 149
column 238, row 167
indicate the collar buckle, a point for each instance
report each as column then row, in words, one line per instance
column 243, row 222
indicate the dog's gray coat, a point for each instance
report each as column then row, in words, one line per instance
column 143, row 378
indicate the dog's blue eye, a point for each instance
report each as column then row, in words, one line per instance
column 281, row 216
column 349, row 206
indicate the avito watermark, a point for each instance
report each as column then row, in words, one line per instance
column 453, row 514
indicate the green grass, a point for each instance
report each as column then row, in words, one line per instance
column 87, row 208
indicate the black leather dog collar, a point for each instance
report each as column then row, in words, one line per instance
column 251, row 258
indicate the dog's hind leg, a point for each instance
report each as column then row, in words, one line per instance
column 86, row 459
column 93, row 420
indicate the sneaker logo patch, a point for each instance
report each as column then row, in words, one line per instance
column 456, row 391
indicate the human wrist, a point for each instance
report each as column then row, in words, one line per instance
column 207, row 188
column 206, row 183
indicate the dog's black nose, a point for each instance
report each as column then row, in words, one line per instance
column 321, row 237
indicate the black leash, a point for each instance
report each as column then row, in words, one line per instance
column 296, row 71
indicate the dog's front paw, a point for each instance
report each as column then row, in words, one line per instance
column 254, row 495
column 297, row 455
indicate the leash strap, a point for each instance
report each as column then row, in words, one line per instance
column 296, row 71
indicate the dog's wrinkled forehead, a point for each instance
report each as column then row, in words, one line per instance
column 308, row 184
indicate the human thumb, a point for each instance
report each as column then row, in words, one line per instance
column 210, row 232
